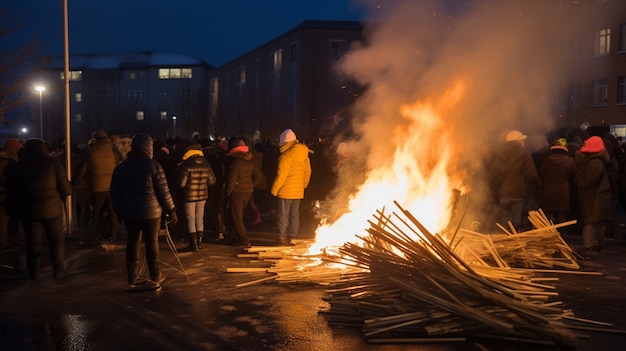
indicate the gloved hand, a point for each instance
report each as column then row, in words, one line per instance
column 173, row 218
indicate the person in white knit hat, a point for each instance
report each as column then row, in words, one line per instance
column 292, row 177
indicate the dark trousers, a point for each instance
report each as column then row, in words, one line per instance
column 146, row 230
column 100, row 202
column 54, row 230
column 238, row 204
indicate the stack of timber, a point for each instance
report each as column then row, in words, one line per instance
column 404, row 284
column 417, row 289
column 540, row 248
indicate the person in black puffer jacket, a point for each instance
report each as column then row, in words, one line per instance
column 194, row 176
column 37, row 186
column 140, row 197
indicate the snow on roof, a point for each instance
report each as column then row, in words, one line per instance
column 129, row 59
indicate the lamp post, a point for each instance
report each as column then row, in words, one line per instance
column 40, row 89
column 174, row 131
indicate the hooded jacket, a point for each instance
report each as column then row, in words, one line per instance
column 513, row 172
column 138, row 185
column 242, row 174
column 557, row 173
column 97, row 164
column 294, row 171
column 194, row 176
column 37, row 183
column 594, row 189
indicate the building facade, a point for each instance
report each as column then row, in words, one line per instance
column 289, row 82
column 162, row 94
column 596, row 31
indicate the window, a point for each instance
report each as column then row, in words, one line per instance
column 139, row 115
column 74, row 75
column 241, row 76
column 163, row 115
column 78, row 97
column 133, row 74
column 164, row 94
column 599, row 96
column 175, row 73
column 214, row 93
column 622, row 37
column 621, row 90
column 78, row 117
column 276, row 62
column 338, row 48
column 134, row 95
column 603, row 42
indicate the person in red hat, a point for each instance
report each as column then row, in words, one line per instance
column 594, row 194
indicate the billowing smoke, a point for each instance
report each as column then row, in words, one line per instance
column 505, row 53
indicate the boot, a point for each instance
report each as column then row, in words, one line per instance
column 199, row 236
column 155, row 273
column 133, row 271
column 193, row 244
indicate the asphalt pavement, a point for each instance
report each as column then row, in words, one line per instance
column 200, row 306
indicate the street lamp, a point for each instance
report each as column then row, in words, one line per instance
column 40, row 89
column 174, row 131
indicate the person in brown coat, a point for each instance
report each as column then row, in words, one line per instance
column 97, row 164
column 513, row 178
column 594, row 194
column 241, row 177
column 557, row 173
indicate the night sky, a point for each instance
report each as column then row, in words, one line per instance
column 211, row 30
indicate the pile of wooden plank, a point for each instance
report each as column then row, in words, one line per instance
column 403, row 283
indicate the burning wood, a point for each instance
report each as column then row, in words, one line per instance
column 404, row 282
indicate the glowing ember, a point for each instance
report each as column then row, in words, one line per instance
column 420, row 175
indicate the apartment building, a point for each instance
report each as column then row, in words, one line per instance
column 288, row 82
column 596, row 31
column 162, row 94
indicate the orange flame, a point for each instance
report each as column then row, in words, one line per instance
column 419, row 175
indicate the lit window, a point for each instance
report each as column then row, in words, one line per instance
column 78, row 117
column 163, row 115
column 74, row 75
column 175, row 73
column 621, row 90
column 599, row 92
column 603, row 42
column 78, row 97
column 139, row 115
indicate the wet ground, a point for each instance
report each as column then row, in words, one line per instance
column 200, row 306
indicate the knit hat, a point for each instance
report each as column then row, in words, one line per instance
column 12, row 145
column 515, row 135
column 286, row 136
column 560, row 142
column 593, row 144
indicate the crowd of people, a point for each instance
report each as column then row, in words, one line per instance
column 221, row 186
column 146, row 184
column 578, row 175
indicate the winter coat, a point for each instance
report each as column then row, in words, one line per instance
column 97, row 165
column 194, row 176
column 557, row 174
column 594, row 188
column 37, row 184
column 294, row 171
column 139, row 188
column 242, row 175
column 513, row 172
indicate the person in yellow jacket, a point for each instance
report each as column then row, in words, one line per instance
column 292, row 177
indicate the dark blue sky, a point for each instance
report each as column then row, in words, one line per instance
column 216, row 31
